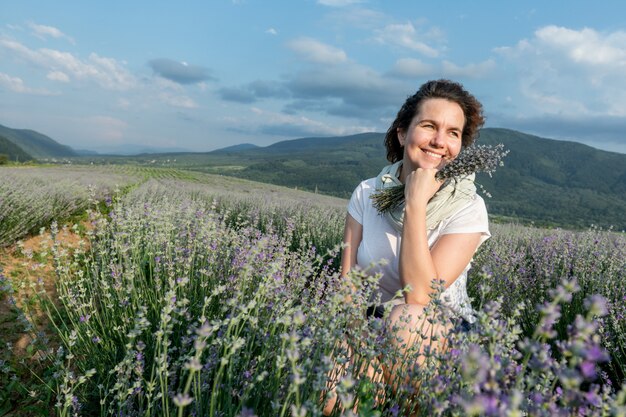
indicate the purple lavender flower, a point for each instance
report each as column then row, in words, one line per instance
column 588, row 369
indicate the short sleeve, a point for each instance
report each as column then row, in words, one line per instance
column 356, row 205
column 470, row 219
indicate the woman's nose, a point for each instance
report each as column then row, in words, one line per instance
column 438, row 139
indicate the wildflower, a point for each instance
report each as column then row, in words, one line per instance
column 298, row 412
column 596, row 354
column 182, row 400
column 597, row 305
column 588, row 369
column 478, row 158
column 194, row 365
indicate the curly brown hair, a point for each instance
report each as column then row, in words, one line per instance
column 446, row 89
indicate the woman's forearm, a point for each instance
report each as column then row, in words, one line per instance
column 352, row 235
column 417, row 268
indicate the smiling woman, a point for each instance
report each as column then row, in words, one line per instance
column 438, row 231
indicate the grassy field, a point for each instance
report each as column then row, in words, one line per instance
column 147, row 292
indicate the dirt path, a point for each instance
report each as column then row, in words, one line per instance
column 26, row 273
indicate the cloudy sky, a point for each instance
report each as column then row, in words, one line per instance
column 201, row 75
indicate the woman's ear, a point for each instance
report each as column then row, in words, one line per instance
column 401, row 135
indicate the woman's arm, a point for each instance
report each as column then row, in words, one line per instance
column 420, row 265
column 352, row 235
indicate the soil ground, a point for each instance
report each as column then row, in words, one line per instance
column 27, row 273
column 28, row 267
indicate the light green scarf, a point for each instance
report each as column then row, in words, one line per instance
column 455, row 194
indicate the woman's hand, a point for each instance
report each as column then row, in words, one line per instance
column 421, row 185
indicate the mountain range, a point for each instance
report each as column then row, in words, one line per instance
column 543, row 181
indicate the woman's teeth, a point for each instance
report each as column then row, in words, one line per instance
column 434, row 155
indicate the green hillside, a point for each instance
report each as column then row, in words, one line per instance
column 554, row 182
column 544, row 181
column 35, row 144
column 13, row 152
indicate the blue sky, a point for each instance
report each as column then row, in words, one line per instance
column 202, row 75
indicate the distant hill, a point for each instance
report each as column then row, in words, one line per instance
column 130, row 149
column 12, row 151
column 556, row 182
column 35, row 144
column 236, row 148
column 544, row 181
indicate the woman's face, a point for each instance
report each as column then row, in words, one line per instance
column 434, row 136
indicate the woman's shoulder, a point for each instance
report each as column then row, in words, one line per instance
column 360, row 205
column 470, row 218
column 477, row 203
column 475, row 208
column 366, row 186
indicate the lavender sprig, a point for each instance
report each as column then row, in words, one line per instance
column 477, row 158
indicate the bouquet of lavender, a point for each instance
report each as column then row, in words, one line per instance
column 477, row 158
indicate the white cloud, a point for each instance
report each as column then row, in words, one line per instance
column 106, row 128
column 58, row 76
column 569, row 72
column 479, row 70
column 410, row 67
column 415, row 68
column 43, row 32
column 17, row 85
column 407, row 36
column 586, row 46
column 316, row 51
column 107, row 72
column 272, row 31
column 280, row 124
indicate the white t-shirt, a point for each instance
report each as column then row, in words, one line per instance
column 381, row 241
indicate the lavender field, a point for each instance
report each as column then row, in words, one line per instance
column 206, row 296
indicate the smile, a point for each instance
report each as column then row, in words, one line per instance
column 434, row 155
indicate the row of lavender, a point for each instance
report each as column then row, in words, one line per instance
column 522, row 265
column 31, row 198
column 192, row 304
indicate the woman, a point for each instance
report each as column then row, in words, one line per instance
column 440, row 227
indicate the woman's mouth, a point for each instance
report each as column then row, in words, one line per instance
column 432, row 154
